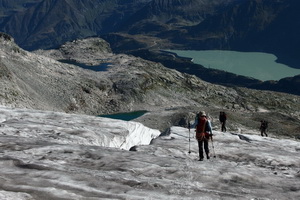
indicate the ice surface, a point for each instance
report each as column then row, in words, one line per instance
column 49, row 155
column 74, row 129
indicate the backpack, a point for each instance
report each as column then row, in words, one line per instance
column 264, row 125
column 202, row 129
column 223, row 117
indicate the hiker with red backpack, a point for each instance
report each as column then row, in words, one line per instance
column 203, row 133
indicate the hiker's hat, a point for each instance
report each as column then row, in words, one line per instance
column 202, row 114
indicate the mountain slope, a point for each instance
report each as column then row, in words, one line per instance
column 244, row 25
column 140, row 25
column 51, row 23
column 267, row 26
column 8, row 7
column 34, row 81
column 163, row 15
column 54, row 22
column 38, row 80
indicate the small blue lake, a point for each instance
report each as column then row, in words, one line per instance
column 125, row 116
column 262, row 66
column 97, row 68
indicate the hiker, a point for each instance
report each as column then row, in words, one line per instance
column 223, row 118
column 263, row 128
column 203, row 133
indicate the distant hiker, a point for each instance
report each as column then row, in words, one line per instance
column 223, row 118
column 203, row 133
column 263, row 128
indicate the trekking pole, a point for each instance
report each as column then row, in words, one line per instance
column 212, row 143
column 189, row 137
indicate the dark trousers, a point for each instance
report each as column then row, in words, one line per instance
column 223, row 126
column 200, row 144
column 263, row 131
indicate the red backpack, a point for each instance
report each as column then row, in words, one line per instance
column 200, row 129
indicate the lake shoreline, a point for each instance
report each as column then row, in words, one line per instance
column 257, row 65
column 127, row 116
column 169, row 52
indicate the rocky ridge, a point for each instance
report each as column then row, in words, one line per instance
column 39, row 80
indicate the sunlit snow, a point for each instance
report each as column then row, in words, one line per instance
column 49, row 155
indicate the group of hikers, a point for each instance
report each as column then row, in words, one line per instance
column 203, row 129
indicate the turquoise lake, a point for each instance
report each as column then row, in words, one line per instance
column 126, row 116
column 262, row 66
column 97, row 68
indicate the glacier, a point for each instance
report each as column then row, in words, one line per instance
column 52, row 155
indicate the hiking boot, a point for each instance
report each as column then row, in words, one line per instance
column 200, row 159
column 207, row 157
